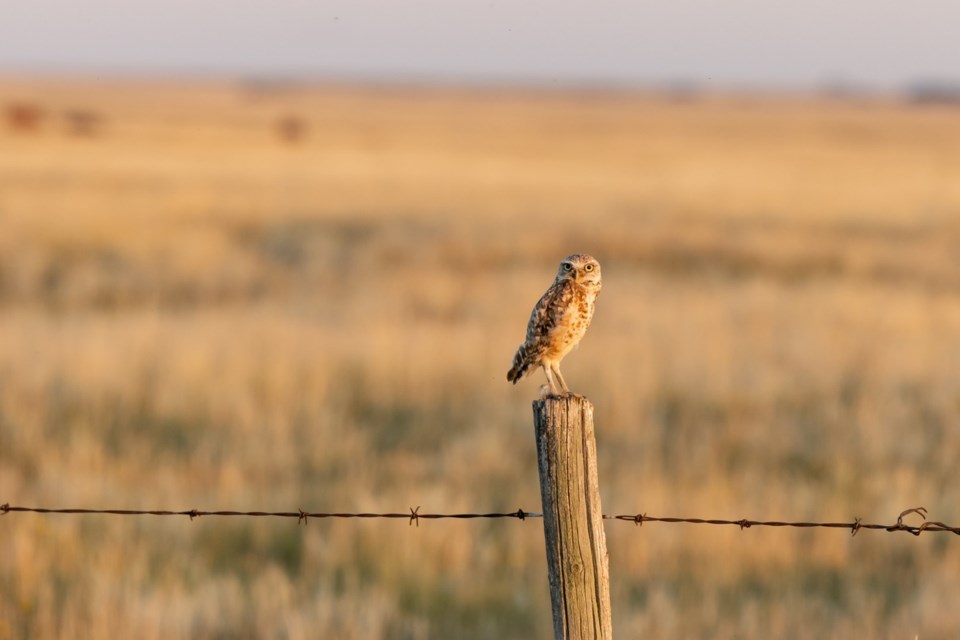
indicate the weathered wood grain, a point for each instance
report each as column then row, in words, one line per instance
column 577, row 563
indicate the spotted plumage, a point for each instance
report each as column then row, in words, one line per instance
column 559, row 320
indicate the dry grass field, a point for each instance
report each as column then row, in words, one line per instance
column 279, row 297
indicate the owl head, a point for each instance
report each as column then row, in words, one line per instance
column 580, row 268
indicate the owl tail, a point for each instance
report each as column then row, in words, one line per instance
column 521, row 365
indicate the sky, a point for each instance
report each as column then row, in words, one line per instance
column 880, row 44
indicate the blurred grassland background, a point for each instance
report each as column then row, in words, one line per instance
column 278, row 297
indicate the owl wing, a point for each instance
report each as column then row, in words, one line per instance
column 546, row 318
column 549, row 312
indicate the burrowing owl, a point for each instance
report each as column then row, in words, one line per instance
column 559, row 320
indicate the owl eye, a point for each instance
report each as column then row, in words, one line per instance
column 567, row 266
column 589, row 267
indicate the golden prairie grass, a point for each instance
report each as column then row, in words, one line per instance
column 196, row 313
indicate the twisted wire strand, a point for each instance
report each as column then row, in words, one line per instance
column 413, row 516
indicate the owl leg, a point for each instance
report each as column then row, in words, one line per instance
column 556, row 372
column 553, row 385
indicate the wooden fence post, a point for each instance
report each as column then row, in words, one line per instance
column 577, row 564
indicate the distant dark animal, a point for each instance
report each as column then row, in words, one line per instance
column 82, row 122
column 291, row 129
column 23, row 117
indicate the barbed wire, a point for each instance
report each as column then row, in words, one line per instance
column 855, row 527
column 413, row 516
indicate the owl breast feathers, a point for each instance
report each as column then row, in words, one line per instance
column 559, row 320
